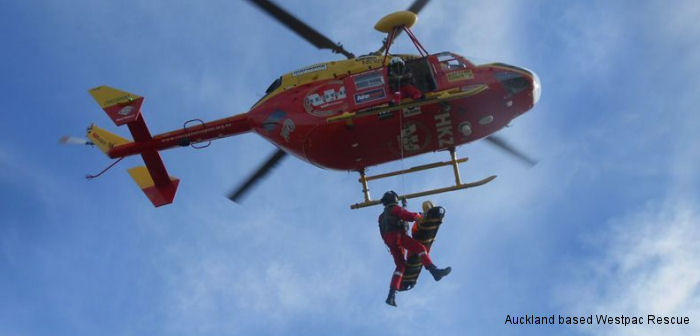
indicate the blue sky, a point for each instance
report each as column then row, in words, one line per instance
column 606, row 223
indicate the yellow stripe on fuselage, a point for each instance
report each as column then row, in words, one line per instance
column 329, row 70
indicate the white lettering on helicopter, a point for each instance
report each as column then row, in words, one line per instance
column 409, row 138
column 220, row 128
column 411, row 111
column 287, row 129
column 309, row 69
column 443, row 126
column 369, row 96
column 329, row 96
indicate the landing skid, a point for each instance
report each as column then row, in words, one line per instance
column 454, row 161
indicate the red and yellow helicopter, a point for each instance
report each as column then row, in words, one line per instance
column 342, row 114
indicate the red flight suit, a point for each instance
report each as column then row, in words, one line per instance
column 395, row 237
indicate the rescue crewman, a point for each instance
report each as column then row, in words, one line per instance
column 401, row 80
column 393, row 227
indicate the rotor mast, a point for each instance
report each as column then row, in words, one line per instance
column 393, row 24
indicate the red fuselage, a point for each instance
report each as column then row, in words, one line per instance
column 296, row 120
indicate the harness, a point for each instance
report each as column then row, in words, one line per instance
column 389, row 222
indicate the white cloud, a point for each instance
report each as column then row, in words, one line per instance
column 649, row 263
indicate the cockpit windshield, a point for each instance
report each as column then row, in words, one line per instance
column 454, row 61
column 449, row 61
column 271, row 88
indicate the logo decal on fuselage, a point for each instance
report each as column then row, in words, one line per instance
column 126, row 110
column 326, row 99
column 287, row 129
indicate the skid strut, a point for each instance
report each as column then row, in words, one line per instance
column 454, row 162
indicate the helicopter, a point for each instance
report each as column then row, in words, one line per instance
column 342, row 114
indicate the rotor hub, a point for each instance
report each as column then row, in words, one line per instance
column 396, row 19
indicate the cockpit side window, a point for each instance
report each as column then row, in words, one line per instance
column 271, row 88
column 449, row 62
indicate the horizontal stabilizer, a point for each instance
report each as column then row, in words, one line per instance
column 160, row 194
column 104, row 139
column 121, row 106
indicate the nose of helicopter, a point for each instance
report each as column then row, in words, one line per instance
column 517, row 80
column 536, row 87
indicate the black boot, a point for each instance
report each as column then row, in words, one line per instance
column 391, row 299
column 438, row 273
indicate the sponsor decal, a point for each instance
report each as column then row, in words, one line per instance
column 370, row 60
column 460, row 75
column 126, row 110
column 287, row 129
column 326, row 99
column 368, row 80
column 368, row 96
column 273, row 120
column 97, row 138
column 385, row 115
column 443, row 127
column 309, row 69
column 411, row 111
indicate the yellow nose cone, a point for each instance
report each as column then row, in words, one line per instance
column 401, row 18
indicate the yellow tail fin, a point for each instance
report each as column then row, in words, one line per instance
column 159, row 195
column 108, row 97
column 121, row 106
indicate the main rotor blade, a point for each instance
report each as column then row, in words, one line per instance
column 415, row 7
column 500, row 143
column 263, row 170
column 301, row 28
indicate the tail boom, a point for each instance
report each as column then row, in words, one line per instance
column 216, row 129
